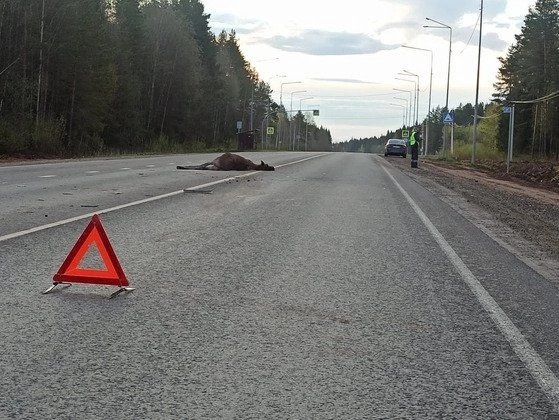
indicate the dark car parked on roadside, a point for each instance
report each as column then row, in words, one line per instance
column 396, row 147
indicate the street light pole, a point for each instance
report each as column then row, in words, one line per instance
column 444, row 26
column 477, row 85
column 307, row 130
column 281, row 89
column 415, row 94
column 409, row 113
column 409, row 73
column 252, row 95
column 269, row 105
column 430, row 89
column 304, row 99
column 306, row 124
column 406, row 109
column 403, row 111
column 291, row 112
column 292, row 93
column 280, row 126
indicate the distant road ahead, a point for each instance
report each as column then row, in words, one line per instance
column 334, row 287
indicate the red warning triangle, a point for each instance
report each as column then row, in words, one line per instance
column 71, row 272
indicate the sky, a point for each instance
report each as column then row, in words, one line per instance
column 344, row 58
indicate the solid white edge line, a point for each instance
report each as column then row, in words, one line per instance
column 135, row 203
column 85, row 216
column 539, row 370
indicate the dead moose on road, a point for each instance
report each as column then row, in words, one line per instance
column 230, row 162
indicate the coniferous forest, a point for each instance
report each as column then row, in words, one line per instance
column 86, row 77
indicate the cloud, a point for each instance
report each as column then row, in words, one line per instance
column 316, row 42
column 450, row 12
column 228, row 22
column 493, row 42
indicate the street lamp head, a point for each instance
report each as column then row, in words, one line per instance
column 290, row 83
column 443, row 25
column 409, row 73
column 417, row 48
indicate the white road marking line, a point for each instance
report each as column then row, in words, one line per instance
column 150, row 166
column 91, row 172
column 86, row 216
column 47, row 176
column 134, row 203
column 299, row 161
column 124, row 169
column 540, row 371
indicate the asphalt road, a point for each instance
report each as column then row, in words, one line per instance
column 334, row 287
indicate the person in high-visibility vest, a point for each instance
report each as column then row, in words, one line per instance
column 415, row 138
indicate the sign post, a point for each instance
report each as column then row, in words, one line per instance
column 510, row 110
column 449, row 119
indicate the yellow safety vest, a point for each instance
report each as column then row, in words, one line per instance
column 412, row 138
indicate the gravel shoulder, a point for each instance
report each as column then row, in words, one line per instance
column 522, row 218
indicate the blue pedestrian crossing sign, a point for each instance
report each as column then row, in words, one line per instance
column 448, row 118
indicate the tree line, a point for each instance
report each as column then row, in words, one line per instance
column 82, row 77
column 528, row 77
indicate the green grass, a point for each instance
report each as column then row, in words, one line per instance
column 463, row 153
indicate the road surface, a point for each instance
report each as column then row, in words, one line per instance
column 334, row 287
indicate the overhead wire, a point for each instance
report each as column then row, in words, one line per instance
column 471, row 35
column 545, row 98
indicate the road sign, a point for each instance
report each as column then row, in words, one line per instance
column 448, row 119
column 507, row 109
column 270, row 130
column 316, row 112
column 405, row 134
column 239, row 125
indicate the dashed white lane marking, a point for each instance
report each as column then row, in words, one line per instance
column 91, row 172
column 540, row 371
column 135, row 203
column 124, row 169
column 298, row 161
column 150, row 166
column 47, row 176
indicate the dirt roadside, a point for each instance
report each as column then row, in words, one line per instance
column 519, row 210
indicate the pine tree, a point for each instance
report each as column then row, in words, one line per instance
column 531, row 71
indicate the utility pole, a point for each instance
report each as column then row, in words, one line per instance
column 444, row 26
column 430, row 90
column 474, row 139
